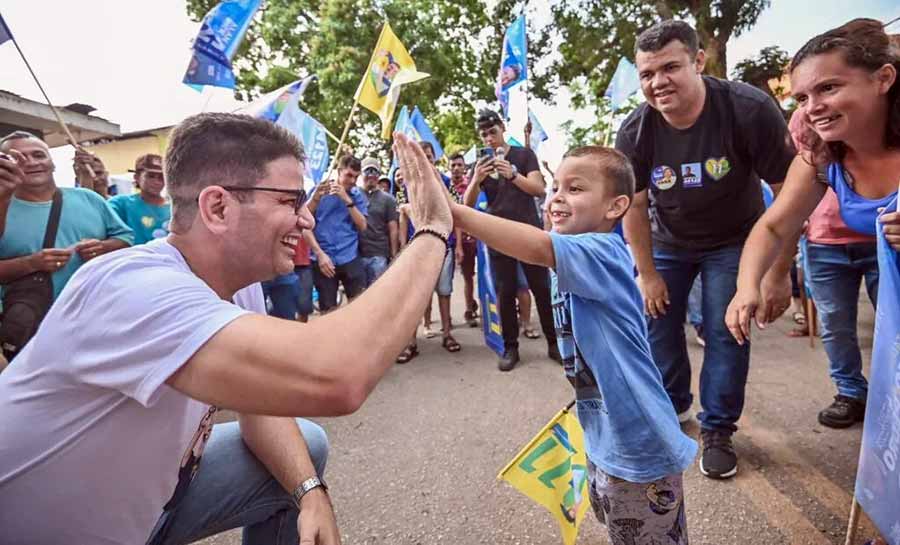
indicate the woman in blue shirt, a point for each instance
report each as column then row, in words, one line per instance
column 846, row 84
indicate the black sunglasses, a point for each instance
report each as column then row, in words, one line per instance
column 299, row 194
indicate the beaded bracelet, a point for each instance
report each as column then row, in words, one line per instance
column 427, row 231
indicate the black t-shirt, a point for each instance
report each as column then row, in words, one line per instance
column 505, row 199
column 704, row 182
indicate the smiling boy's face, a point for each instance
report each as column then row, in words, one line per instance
column 583, row 201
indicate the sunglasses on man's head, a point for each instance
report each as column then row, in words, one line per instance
column 299, row 194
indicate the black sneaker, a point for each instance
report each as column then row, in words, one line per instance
column 718, row 460
column 843, row 412
column 509, row 359
column 553, row 353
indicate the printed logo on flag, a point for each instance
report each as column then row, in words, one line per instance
column 717, row 167
column 691, row 175
column 384, row 68
column 664, row 177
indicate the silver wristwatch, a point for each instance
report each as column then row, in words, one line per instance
column 306, row 486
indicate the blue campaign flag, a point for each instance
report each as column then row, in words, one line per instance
column 220, row 35
column 878, row 475
column 625, row 82
column 487, row 294
column 313, row 136
column 514, row 57
column 403, row 125
column 538, row 134
column 417, row 120
column 5, row 33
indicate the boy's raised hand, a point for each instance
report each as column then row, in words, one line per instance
column 428, row 203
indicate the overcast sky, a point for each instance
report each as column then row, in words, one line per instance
column 127, row 57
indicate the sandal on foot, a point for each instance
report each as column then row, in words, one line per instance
column 471, row 318
column 531, row 333
column 450, row 344
column 801, row 331
column 429, row 333
column 410, row 352
column 799, row 318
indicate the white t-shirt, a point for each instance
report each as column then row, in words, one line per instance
column 91, row 437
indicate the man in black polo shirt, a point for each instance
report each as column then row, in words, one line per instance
column 511, row 179
column 699, row 147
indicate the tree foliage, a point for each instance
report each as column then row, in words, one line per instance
column 767, row 65
column 334, row 39
column 594, row 34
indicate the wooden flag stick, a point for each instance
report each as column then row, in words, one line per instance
column 853, row 523
column 337, row 154
column 56, row 113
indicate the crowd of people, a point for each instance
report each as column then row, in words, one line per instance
column 222, row 233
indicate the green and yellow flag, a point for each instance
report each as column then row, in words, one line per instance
column 552, row 471
column 391, row 67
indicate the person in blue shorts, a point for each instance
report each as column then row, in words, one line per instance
column 635, row 448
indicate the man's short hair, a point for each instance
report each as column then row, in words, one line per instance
column 486, row 119
column 456, row 156
column 18, row 135
column 221, row 149
column 613, row 165
column 350, row 161
column 426, row 144
column 659, row 35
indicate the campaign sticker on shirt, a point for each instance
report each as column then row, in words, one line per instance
column 691, row 175
column 717, row 167
column 663, row 177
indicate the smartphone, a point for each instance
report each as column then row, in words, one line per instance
column 485, row 153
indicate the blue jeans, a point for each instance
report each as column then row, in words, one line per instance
column 725, row 363
column 283, row 296
column 835, row 272
column 375, row 267
column 695, row 304
column 304, row 289
column 232, row 489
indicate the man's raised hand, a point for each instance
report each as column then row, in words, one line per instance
column 11, row 174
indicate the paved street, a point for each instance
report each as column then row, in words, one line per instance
column 417, row 464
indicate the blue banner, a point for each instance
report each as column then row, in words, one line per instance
column 487, row 295
column 538, row 134
column 220, row 35
column 313, row 136
column 513, row 62
column 625, row 82
column 878, row 475
column 417, row 120
column 5, row 33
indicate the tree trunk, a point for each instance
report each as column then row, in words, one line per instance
column 716, row 51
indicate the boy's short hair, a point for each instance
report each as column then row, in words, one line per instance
column 614, row 166
column 659, row 35
column 486, row 119
column 350, row 161
column 426, row 144
column 456, row 156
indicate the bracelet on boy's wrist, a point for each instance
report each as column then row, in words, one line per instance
column 426, row 231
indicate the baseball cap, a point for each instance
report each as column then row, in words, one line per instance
column 149, row 161
column 371, row 162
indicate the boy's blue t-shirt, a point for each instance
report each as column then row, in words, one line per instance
column 84, row 215
column 630, row 427
column 146, row 220
column 335, row 230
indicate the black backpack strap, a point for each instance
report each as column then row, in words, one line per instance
column 53, row 222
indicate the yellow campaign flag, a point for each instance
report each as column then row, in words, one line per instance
column 391, row 67
column 552, row 471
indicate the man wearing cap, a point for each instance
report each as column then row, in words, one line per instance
column 378, row 243
column 146, row 212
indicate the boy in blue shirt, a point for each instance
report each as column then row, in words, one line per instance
column 635, row 448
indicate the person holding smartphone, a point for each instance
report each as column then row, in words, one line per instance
column 511, row 178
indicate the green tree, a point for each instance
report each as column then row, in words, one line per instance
column 768, row 64
column 334, row 39
column 593, row 35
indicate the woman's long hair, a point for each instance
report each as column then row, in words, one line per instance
column 864, row 44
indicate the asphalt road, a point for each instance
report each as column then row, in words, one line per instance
column 417, row 465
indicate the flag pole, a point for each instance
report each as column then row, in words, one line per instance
column 56, row 113
column 356, row 97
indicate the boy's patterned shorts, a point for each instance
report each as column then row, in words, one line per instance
column 639, row 513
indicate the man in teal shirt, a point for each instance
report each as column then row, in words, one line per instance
column 88, row 227
column 147, row 213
